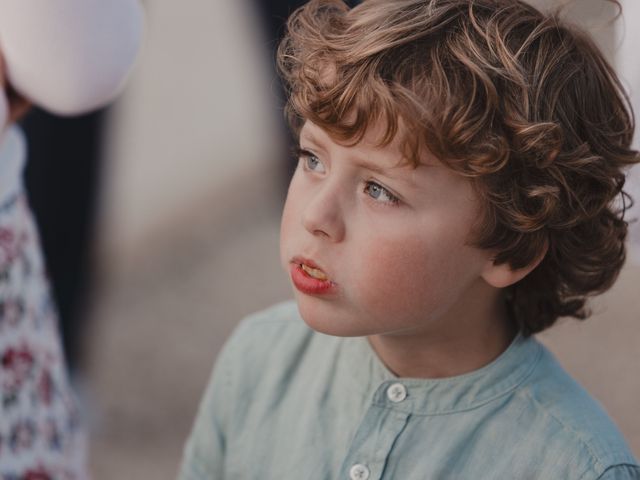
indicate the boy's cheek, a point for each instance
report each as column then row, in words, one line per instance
column 391, row 274
column 286, row 229
column 408, row 274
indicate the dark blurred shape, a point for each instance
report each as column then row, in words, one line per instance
column 62, row 183
column 275, row 12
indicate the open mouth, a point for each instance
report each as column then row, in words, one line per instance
column 313, row 272
column 310, row 278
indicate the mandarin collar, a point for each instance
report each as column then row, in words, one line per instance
column 446, row 395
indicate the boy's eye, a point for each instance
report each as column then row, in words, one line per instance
column 311, row 161
column 380, row 193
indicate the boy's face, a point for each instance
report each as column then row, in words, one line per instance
column 375, row 246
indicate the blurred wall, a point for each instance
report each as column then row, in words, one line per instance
column 628, row 66
column 188, row 230
column 197, row 115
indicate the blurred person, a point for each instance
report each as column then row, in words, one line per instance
column 69, row 57
column 455, row 194
column 62, row 184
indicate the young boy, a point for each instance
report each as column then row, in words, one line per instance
column 460, row 163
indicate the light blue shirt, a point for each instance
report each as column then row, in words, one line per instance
column 288, row 403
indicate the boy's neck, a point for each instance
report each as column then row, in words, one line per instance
column 447, row 352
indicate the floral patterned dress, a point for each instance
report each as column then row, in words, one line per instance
column 40, row 434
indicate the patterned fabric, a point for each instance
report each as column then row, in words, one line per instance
column 40, row 435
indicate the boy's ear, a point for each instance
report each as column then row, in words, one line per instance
column 503, row 275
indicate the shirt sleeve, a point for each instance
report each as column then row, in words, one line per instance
column 204, row 451
column 69, row 56
column 621, row 472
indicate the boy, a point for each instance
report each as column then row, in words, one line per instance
column 459, row 164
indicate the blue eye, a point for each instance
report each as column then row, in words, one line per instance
column 311, row 161
column 380, row 194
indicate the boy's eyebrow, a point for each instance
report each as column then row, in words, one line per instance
column 401, row 171
column 307, row 135
column 363, row 163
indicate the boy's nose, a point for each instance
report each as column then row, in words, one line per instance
column 323, row 216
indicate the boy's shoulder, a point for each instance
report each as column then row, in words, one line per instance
column 575, row 422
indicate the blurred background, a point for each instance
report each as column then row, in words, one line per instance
column 190, row 183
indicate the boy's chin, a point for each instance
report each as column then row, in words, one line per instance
column 327, row 317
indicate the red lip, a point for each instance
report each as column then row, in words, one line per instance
column 306, row 283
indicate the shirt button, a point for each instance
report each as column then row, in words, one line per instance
column 397, row 392
column 359, row 472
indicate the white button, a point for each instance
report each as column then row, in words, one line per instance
column 359, row 472
column 397, row 392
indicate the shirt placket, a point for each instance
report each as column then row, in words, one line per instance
column 373, row 441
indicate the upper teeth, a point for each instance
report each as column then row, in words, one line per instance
column 313, row 272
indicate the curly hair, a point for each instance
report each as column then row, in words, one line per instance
column 520, row 103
